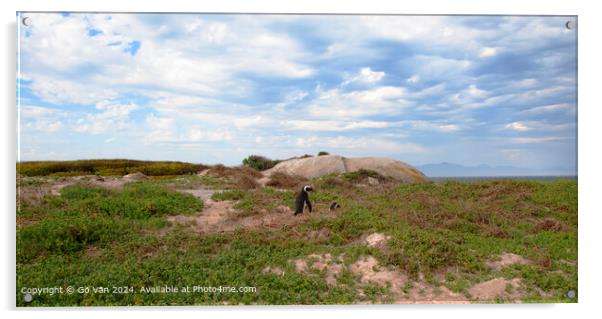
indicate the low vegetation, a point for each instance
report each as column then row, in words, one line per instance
column 106, row 168
column 444, row 233
column 260, row 163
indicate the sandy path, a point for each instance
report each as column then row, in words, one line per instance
column 213, row 215
column 202, row 193
column 222, row 216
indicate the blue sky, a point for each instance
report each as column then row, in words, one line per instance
column 495, row 90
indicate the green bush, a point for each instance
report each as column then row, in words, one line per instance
column 138, row 200
column 260, row 163
column 86, row 215
column 359, row 175
column 65, row 233
column 427, row 251
column 323, row 153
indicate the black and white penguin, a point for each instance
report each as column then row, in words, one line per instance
column 334, row 206
column 303, row 199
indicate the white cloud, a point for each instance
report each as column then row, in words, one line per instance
column 54, row 126
column 471, row 98
column 162, row 123
column 525, row 83
column 518, row 126
column 336, row 104
column 113, row 116
column 245, row 122
column 414, row 79
column 565, row 107
column 166, row 63
column 475, row 91
column 29, row 112
column 434, row 66
column 59, row 91
column 533, row 140
column 437, row 29
column 42, row 119
column 363, row 144
column 333, row 126
column 44, row 126
column 431, row 91
column 365, row 75
column 433, row 126
column 539, row 126
column 199, row 135
column 115, row 110
column 487, row 52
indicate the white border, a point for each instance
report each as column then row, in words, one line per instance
column 589, row 149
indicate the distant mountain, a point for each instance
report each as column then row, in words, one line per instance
column 457, row 170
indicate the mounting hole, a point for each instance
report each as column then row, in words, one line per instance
column 570, row 25
column 27, row 298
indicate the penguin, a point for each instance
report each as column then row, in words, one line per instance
column 334, row 206
column 303, row 199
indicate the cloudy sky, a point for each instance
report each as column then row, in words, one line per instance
column 216, row 88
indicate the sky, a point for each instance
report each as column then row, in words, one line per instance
column 215, row 88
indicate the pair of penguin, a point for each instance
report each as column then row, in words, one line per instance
column 303, row 199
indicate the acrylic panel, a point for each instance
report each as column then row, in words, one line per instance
column 265, row 159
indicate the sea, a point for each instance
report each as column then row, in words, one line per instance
column 493, row 178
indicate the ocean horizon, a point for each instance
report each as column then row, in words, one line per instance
column 484, row 178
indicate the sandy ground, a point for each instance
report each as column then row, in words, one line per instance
column 507, row 259
column 221, row 216
column 368, row 271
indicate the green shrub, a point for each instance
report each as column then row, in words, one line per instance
column 65, row 233
column 426, row 251
column 360, row 174
column 137, row 200
column 260, row 163
column 355, row 222
column 323, row 153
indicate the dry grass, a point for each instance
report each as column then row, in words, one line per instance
column 550, row 224
column 282, row 180
column 243, row 178
column 245, row 182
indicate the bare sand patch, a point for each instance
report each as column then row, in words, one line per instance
column 376, row 240
column 318, row 235
column 369, row 271
column 422, row 292
column 402, row 290
column 332, row 267
column 507, row 259
column 93, row 251
column 274, row 270
column 222, row 216
column 202, row 193
column 211, row 219
column 496, row 288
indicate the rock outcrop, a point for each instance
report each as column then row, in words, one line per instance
column 316, row 166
